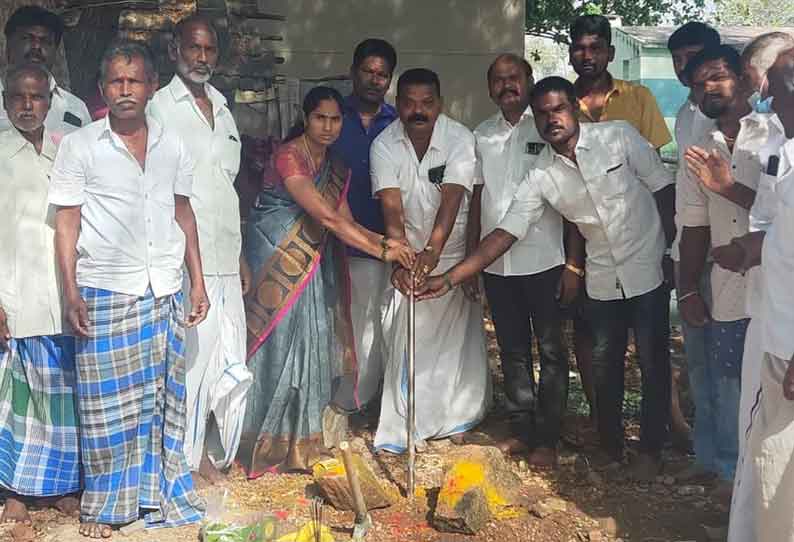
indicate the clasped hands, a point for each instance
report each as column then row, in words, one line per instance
column 424, row 263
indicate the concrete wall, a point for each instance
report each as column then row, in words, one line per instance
column 456, row 38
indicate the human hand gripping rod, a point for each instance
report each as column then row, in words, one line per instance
column 411, row 425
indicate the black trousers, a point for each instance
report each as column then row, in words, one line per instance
column 520, row 306
column 649, row 316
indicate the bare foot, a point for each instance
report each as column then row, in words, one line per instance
column 95, row 530
column 208, row 471
column 512, row 445
column 15, row 511
column 543, row 458
column 68, row 505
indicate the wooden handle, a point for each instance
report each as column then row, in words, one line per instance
column 360, row 507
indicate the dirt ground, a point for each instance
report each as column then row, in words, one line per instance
column 596, row 506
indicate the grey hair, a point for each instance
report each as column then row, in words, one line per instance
column 128, row 49
column 15, row 73
column 763, row 50
column 191, row 20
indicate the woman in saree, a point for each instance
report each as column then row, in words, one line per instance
column 300, row 347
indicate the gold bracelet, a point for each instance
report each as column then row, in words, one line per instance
column 686, row 295
column 575, row 270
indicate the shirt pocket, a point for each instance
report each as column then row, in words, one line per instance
column 229, row 156
column 614, row 185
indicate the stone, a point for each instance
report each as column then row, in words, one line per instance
column 478, row 485
column 608, row 525
column 331, row 479
column 549, row 506
column 687, row 491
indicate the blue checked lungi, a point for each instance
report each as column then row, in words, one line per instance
column 39, row 454
column 131, row 389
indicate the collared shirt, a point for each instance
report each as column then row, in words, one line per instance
column 129, row 238
column 449, row 159
column 690, row 126
column 216, row 153
column 353, row 147
column 29, row 289
column 67, row 112
column 764, row 208
column 609, row 196
column 699, row 206
column 636, row 105
column 504, row 154
column 778, row 265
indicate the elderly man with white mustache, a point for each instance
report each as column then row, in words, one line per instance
column 217, row 379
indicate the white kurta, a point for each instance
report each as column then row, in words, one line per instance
column 452, row 377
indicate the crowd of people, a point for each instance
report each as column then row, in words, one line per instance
column 149, row 336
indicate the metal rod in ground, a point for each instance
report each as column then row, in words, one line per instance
column 411, row 425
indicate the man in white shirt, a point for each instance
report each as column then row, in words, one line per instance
column 610, row 182
column 423, row 172
column 38, row 417
column 32, row 37
column 217, row 378
column 527, row 285
column 124, row 227
column 712, row 210
column 690, row 125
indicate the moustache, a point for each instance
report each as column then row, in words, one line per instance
column 507, row 91
column 34, row 56
column 551, row 127
column 418, row 118
column 125, row 101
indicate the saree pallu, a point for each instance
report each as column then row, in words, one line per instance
column 39, row 453
column 131, row 391
column 300, row 341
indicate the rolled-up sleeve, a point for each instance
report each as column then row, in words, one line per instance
column 525, row 209
column 644, row 160
column 691, row 202
column 183, row 185
column 68, row 177
column 461, row 162
column 384, row 169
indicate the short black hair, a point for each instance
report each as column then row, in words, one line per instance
column 128, row 49
column 585, row 25
column 693, row 33
column 375, row 47
column 195, row 18
column 719, row 52
column 553, row 84
column 418, row 76
column 28, row 16
column 515, row 59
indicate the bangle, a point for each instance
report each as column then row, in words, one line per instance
column 686, row 295
column 448, row 281
column 575, row 270
column 384, row 245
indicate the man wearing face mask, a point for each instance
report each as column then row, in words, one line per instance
column 757, row 57
column 32, row 37
column 715, row 195
column 423, row 173
column 217, row 378
column 38, row 416
column 366, row 115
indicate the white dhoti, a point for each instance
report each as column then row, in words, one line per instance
column 371, row 294
column 771, row 447
column 217, row 378
column 742, row 525
column 452, row 376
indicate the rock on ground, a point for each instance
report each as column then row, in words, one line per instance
column 331, row 478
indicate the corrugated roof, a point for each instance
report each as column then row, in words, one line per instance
column 652, row 36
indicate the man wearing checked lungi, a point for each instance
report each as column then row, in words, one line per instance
column 39, row 454
column 124, row 226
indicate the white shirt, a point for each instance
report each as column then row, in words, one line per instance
column 763, row 211
column 29, row 289
column 394, row 164
column 777, row 268
column 504, row 155
column 67, row 112
column 609, row 196
column 129, row 239
column 217, row 156
column 690, row 126
column 697, row 206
